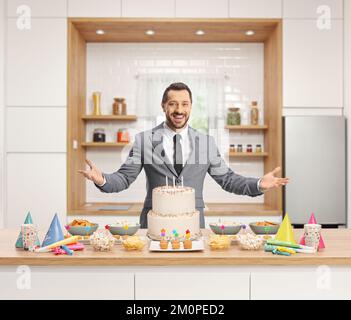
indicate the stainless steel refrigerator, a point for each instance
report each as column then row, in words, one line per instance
column 315, row 160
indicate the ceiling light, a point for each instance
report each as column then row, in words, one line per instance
column 150, row 32
column 200, row 32
column 100, row 32
column 250, row 32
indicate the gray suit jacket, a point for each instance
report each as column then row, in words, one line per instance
column 147, row 153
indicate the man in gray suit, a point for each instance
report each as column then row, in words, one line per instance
column 183, row 155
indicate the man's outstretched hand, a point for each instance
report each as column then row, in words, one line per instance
column 269, row 181
column 93, row 174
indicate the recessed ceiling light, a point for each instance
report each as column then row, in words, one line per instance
column 150, row 32
column 100, row 31
column 250, row 32
column 200, row 32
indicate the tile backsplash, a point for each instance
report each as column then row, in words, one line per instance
column 220, row 75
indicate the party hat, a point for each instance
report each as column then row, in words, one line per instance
column 19, row 242
column 286, row 232
column 54, row 233
column 321, row 241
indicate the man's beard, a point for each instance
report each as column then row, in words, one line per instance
column 175, row 125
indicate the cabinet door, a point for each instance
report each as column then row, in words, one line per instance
column 37, row 63
column 202, row 9
column 306, row 284
column 36, row 129
column 311, row 9
column 38, row 8
column 196, row 285
column 37, row 183
column 65, row 283
column 94, row 8
column 255, row 8
column 150, row 8
column 312, row 64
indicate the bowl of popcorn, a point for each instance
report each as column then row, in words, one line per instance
column 249, row 241
column 102, row 240
column 123, row 228
column 80, row 227
column 225, row 227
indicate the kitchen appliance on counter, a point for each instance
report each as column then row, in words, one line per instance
column 315, row 160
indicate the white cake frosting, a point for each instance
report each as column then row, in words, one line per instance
column 173, row 208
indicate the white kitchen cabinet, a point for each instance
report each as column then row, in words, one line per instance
column 150, row 8
column 38, row 8
column 35, row 182
column 309, row 9
column 68, row 283
column 202, row 9
column 36, row 129
column 37, row 63
column 192, row 285
column 312, row 64
column 255, row 8
column 94, row 8
column 306, row 284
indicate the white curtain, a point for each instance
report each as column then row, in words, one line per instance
column 207, row 91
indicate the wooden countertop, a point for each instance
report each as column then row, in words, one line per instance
column 338, row 252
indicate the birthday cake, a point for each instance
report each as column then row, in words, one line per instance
column 173, row 208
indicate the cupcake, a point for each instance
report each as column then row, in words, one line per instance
column 164, row 244
column 188, row 244
column 176, row 244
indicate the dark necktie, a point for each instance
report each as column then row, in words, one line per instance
column 178, row 154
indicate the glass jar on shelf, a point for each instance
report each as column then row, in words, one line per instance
column 117, row 106
column 239, row 148
column 123, row 136
column 99, row 135
column 232, row 148
column 254, row 114
column 258, row 148
column 234, row 117
column 249, row 148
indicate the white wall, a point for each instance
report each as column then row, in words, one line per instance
column 2, row 106
column 347, row 93
column 35, row 113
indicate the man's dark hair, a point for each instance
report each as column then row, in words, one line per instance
column 176, row 86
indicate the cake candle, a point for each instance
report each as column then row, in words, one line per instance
column 182, row 181
column 166, row 181
column 173, row 182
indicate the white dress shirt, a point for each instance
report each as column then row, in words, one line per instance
column 168, row 144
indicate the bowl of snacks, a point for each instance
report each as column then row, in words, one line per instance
column 133, row 243
column 225, row 228
column 249, row 241
column 123, row 228
column 264, row 227
column 219, row 242
column 81, row 228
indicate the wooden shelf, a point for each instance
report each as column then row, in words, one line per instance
column 211, row 209
column 109, row 117
column 104, row 144
column 243, row 127
column 248, row 154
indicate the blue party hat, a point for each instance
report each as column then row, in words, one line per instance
column 19, row 242
column 54, row 233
